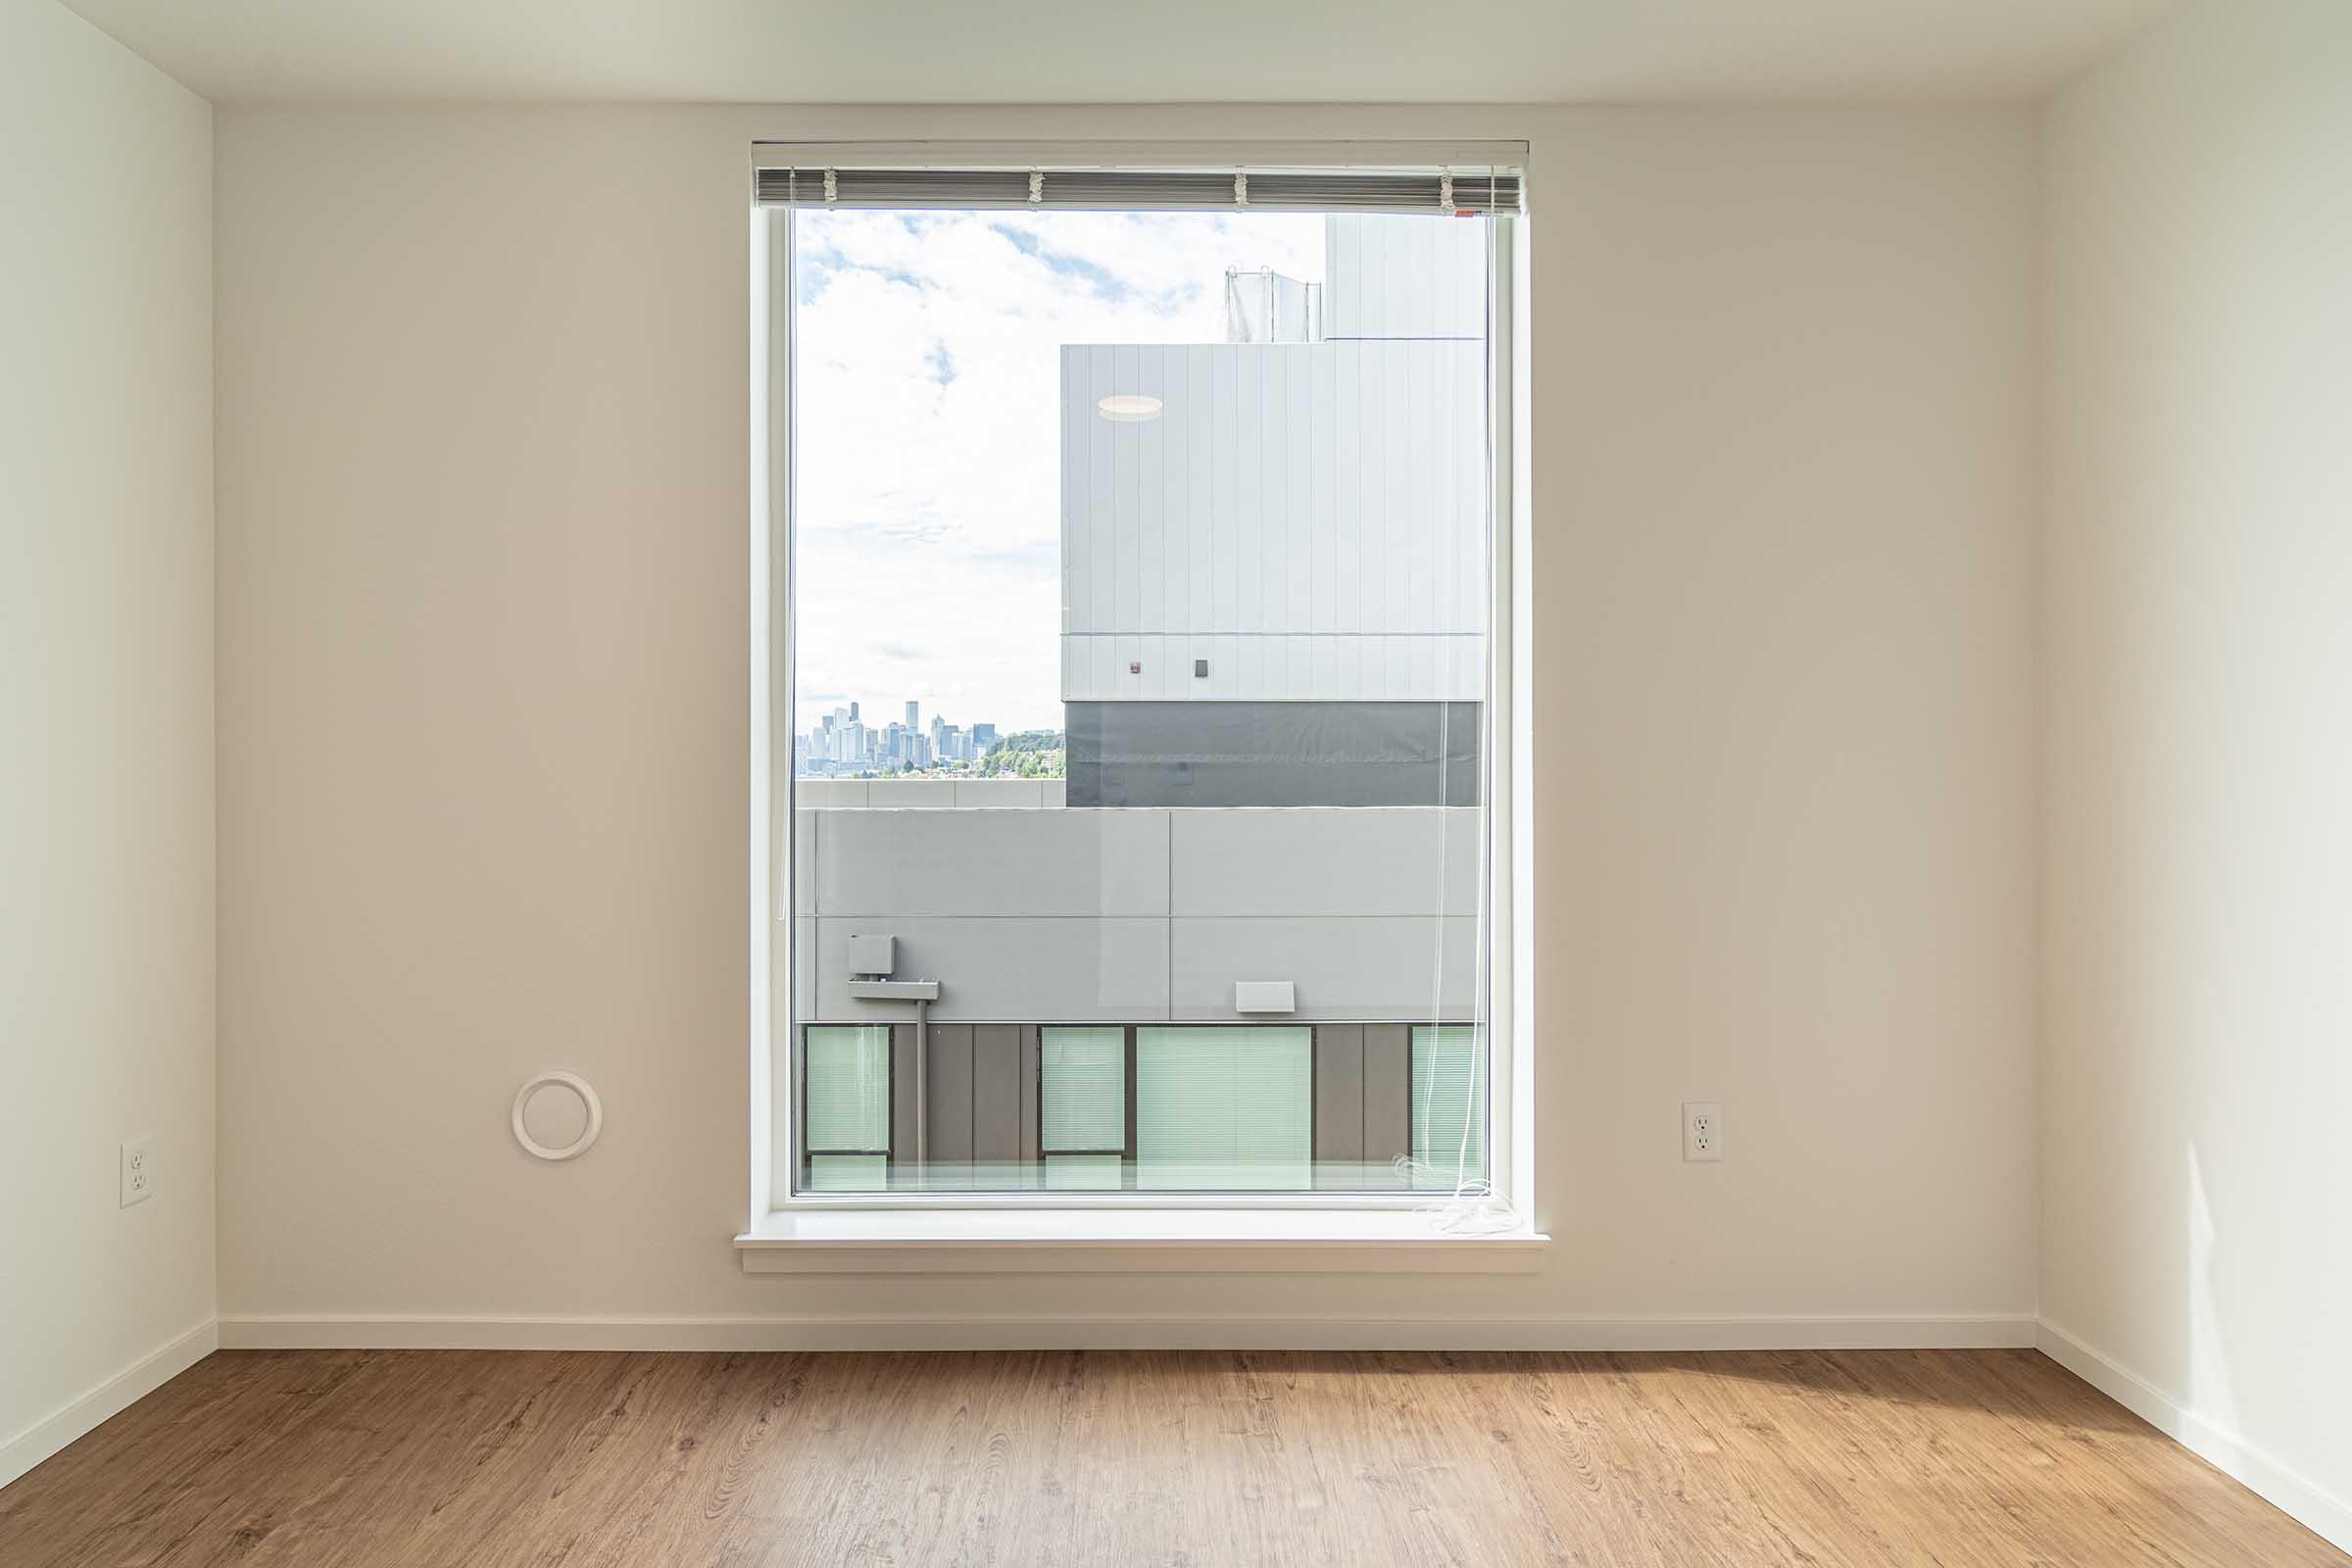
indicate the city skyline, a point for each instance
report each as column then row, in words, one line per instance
column 840, row 742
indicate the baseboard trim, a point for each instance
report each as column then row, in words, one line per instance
column 62, row 1426
column 1005, row 1333
column 2293, row 1493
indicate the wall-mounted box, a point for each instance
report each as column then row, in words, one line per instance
column 1264, row 996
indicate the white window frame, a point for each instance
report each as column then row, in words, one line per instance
column 783, row 1220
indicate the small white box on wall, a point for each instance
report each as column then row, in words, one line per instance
column 1264, row 996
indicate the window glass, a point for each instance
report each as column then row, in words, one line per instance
column 847, row 1173
column 848, row 1088
column 1450, row 1106
column 1224, row 1107
column 1073, row 1173
column 1084, row 1088
column 1137, row 695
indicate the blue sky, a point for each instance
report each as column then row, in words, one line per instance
column 928, row 380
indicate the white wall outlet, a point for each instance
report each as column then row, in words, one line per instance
column 1702, row 1130
column 139, row 1172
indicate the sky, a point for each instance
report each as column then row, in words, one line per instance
column 928, row 384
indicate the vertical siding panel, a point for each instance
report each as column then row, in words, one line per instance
column 1225, row 528
column 1152, row 481
column 1387, row 1092
column 1445, row 492
column 948, row 1106
column 902, row 1097
column 1127, row 481
column 1249, row 482
column 1200, row 447
column 1339, row 1105
column 1276, row 456
column 1101, row 481
column 996, row 1095
column 1397, row 449
column 1299, row 511
column 1030, row 1133
column 1372, row 526
column 1421, row 288
column 1422, row 363
column 1175, row 539
column 1347, row 453
column 1323, row 498
column 1075, row 517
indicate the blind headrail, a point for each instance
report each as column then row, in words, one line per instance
column 1468, row 191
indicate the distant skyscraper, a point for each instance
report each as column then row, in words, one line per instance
column 914, row 710
column 984, row 738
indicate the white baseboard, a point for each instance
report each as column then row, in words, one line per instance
column 116, row 1394
column 2294, row 1494
column 978, row 1333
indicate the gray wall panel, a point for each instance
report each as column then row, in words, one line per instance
column 1339, row 1105
column 997, row 1092
column 1006, row 970
column 990, row 862
column 902, row 1093
column 1031, row 1132
column 1391, row 967
column 1387, row 1092
column 1400, row 860
column 949, row 1111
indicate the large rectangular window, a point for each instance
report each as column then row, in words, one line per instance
column 1136, row 702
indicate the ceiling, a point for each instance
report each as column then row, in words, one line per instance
column 1108, row 51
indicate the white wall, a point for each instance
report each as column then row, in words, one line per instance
column 2198, row 1000
column 106, row 715
column 484, row 730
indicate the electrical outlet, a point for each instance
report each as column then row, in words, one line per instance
column 139, row 1172
column 1702, row 1130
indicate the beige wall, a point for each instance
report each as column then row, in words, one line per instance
column 484, row 714
column 106, row 714
column 2198, row 1001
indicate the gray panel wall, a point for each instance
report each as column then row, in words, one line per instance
column 1145, row 915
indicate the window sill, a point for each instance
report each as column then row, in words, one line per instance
column 1078, row 1241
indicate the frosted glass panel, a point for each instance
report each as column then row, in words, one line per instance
column 847, row 1173
column 1450, row 1106
column 1224, row 1107
column 849, row 1087
column 1084, row 1088
column 1071, row 1173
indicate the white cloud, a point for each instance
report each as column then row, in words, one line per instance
column 928, row 404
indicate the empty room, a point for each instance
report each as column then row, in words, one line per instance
column 964, row 782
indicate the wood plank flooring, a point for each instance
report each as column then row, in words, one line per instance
column 332, row 1459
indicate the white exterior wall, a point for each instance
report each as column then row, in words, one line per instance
column 1308, row 517
column 1398, row 276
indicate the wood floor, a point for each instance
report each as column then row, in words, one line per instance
column 329, row 1459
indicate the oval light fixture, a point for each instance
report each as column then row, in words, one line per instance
column 1128, row 408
